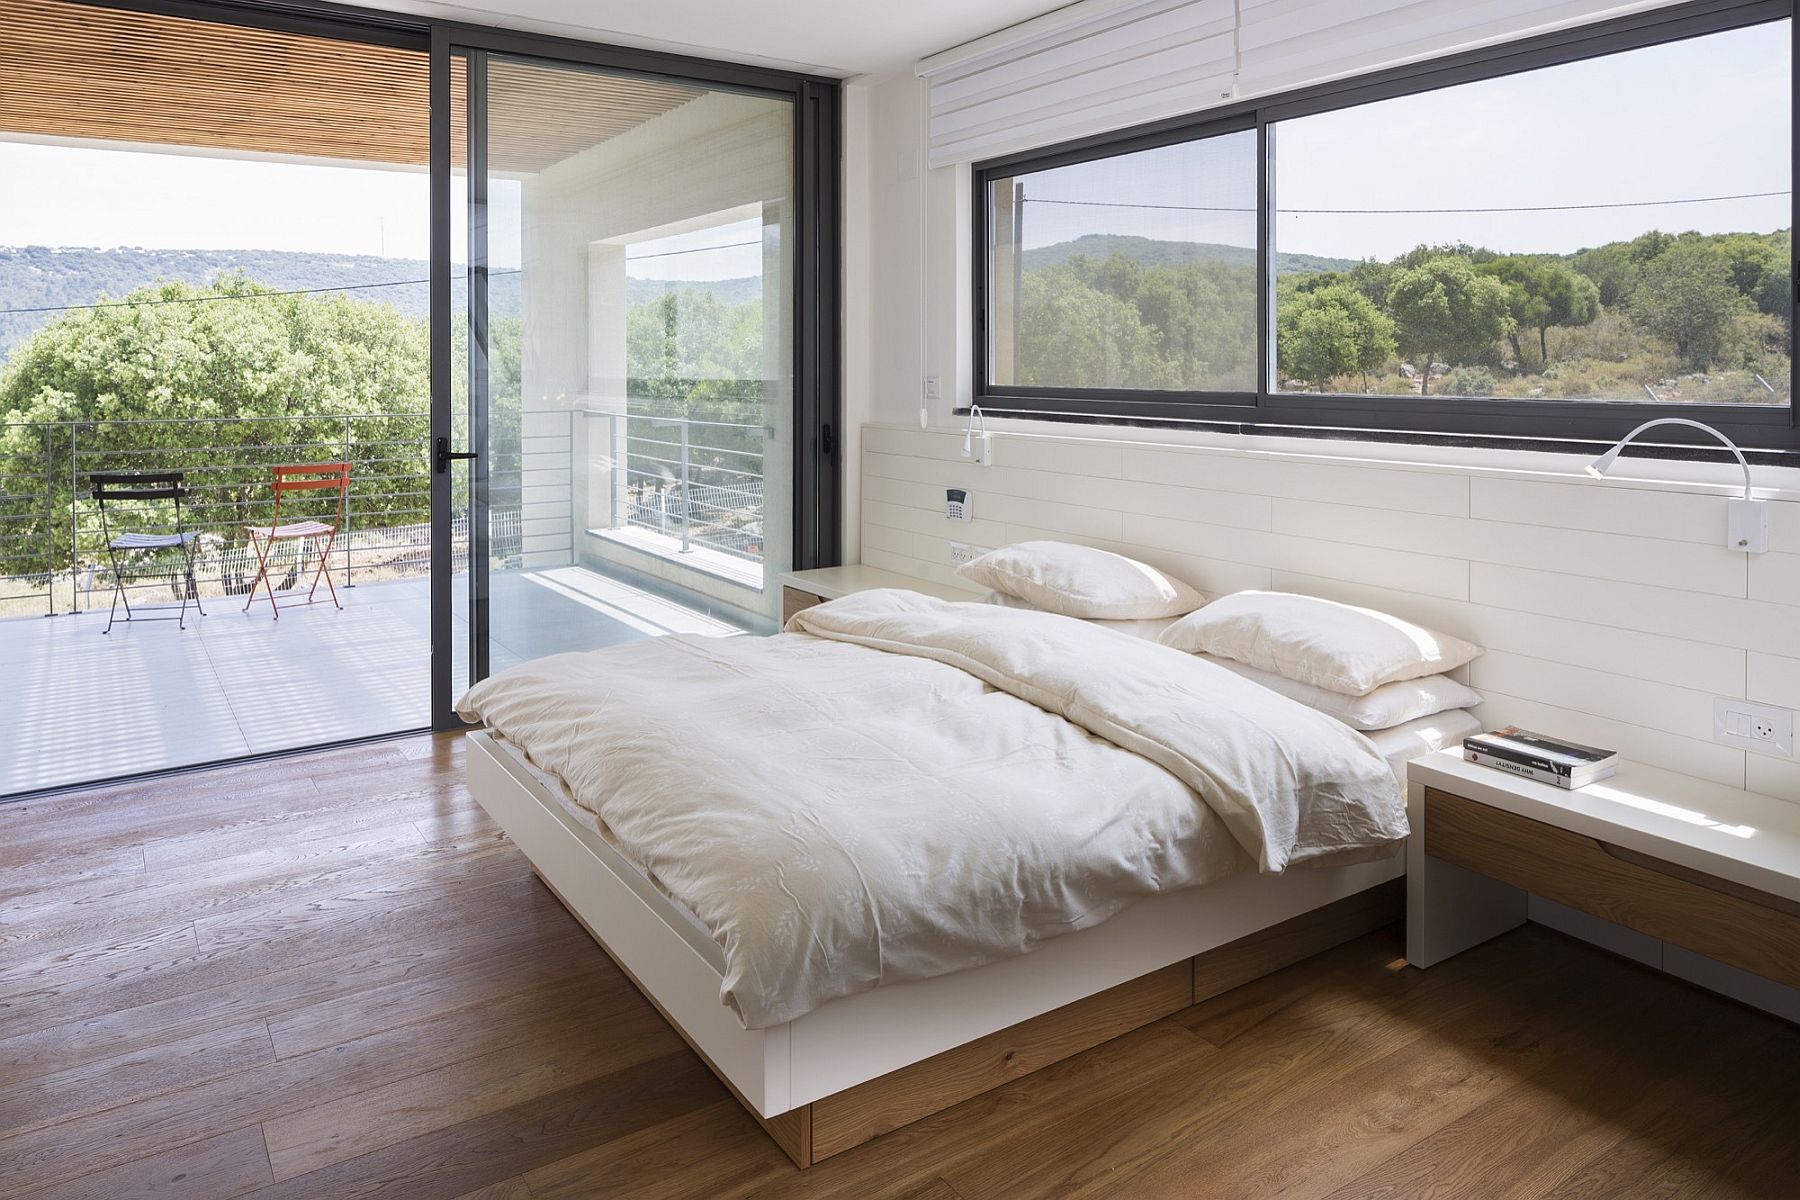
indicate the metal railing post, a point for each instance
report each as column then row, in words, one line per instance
column 618, row 500
column 687, row 507
column 349, row 508
column 74, row 528
column 49, row 522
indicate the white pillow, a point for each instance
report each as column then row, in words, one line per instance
column 1080, row 581
column 1389, row 705
column 1338, row 647
column 1148, row 628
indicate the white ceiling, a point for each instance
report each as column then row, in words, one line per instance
column 832, row 37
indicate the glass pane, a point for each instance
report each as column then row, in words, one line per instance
column 214, row 268
column 1582, row 232
column 1137, row 271
column 637, row 350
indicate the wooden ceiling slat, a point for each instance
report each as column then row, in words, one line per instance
column 73, row 71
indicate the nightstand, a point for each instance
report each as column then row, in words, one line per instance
column 1699, row 866
column 802, row 589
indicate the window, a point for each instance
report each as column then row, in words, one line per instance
column 1544, row 240
column 1134, row 272
column 1597, row 266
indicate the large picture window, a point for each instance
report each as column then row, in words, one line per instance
column 1552, row 240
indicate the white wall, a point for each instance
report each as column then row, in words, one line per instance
column 918, row 261
column 1611, row 611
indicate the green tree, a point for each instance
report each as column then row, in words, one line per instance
column 1647, row 247
column 1330, row 332
column 1202, row 315
column 690, row 355
column 1540, row 293
column 1074, row 335
column 1373, row 279
column 1443, row 309
column 1748, row 259
column 221, row 382
column 1686, row 297
column 1612, row 269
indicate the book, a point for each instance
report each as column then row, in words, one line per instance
column 1538, row 756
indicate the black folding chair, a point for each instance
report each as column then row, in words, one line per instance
column 149, row 485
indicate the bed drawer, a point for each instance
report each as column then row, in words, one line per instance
column 1720, row 919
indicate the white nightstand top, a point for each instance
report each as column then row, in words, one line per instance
column 1733, row 834
column 832, row 582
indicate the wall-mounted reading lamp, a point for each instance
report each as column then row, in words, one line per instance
column 1747, row 518
column 978, row 446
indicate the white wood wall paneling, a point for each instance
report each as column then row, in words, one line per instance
column 1610, row 611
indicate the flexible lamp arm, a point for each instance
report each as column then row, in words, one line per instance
column 1601, row 465
column 1746, row 518
column 975, row 414
column 980, row 453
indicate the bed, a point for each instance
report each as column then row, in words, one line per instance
column 992, row 859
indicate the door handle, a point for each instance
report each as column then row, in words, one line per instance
column 445, row 454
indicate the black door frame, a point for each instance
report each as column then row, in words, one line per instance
column 818, row 402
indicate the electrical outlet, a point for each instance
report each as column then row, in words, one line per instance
column 962, row 552
column 1751, row 726
column 931, row 387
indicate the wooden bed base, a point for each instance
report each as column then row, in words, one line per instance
column 864, row 1065
column 868, row 1110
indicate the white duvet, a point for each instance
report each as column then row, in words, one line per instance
column 901, row 786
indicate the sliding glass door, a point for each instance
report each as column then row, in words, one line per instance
column 265, row 243
column 624, row 357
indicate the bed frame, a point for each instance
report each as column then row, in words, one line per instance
column 860, row 1066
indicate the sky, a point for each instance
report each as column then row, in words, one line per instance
column 1706, row 117
column 729, row 251
column 83, row 195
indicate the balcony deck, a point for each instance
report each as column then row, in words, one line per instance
column 80, row 705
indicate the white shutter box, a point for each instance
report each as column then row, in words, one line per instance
column 1102, row 65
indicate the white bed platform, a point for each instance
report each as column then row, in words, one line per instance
column 782, row 1071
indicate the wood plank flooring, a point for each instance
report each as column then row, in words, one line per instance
column 331, row 976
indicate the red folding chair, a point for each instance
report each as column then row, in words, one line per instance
column 263, row 538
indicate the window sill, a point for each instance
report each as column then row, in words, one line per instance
column 1672, row 468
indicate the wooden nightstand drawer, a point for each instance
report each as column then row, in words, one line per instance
column 1708, row 915
column 794, row 600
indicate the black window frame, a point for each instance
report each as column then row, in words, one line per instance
column 1546, row 424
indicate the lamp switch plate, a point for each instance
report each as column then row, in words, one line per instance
column 1752, row 726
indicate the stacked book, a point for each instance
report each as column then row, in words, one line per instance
column 1536, row 756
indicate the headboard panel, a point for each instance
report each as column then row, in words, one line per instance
column 1611, row 611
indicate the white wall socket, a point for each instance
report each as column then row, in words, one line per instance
column 962, row 552
column 1752, row 726
column 931, row 387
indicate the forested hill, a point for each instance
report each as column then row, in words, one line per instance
column 1152, row 252
column 40, row 277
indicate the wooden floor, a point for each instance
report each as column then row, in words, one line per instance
column 331, row 976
